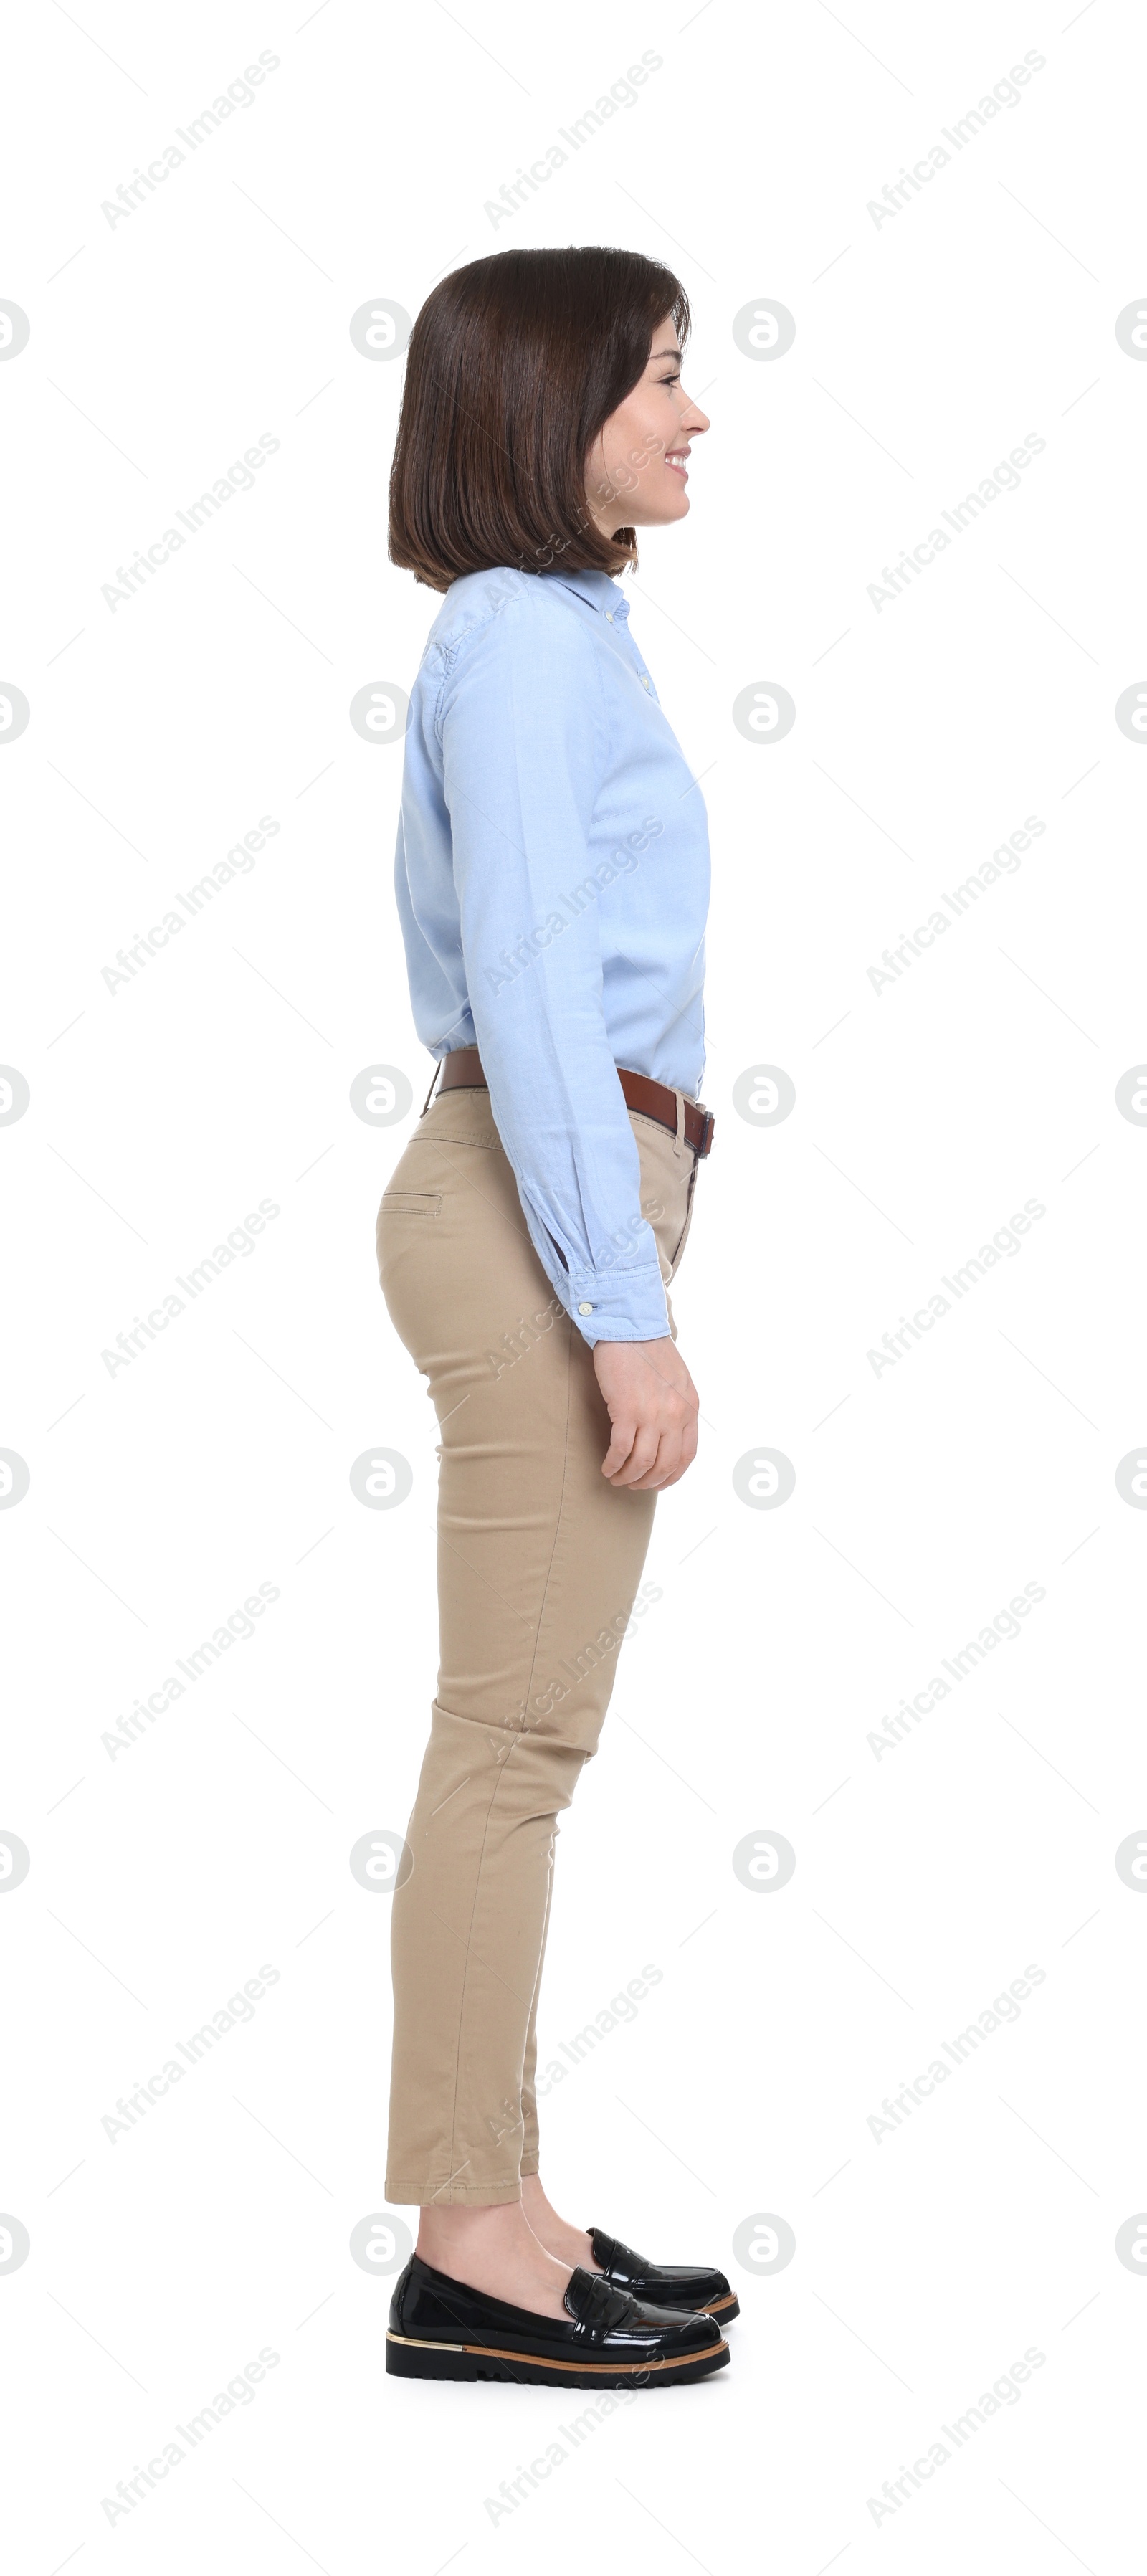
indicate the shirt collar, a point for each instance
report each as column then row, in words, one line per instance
column 597, row 590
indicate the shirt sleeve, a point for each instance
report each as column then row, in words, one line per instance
column 523, row 725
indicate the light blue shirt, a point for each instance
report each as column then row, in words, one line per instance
column 553, row 883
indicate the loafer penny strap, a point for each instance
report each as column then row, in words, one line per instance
column 594, row 2303
column 613, row 2256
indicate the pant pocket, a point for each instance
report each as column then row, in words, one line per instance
column 410, row 1203
column 408, row 1237
column 689, row 1204
column 666, row 1190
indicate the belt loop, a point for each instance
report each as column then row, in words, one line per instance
column 679, row 1138
column 433, row 1080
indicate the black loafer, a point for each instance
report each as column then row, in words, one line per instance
column 442, row 2329
column 673, row 2285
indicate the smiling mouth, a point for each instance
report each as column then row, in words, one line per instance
column 678, row 460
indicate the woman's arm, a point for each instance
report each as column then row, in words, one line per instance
column 523, row 725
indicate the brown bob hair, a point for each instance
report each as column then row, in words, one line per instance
column 515, row 364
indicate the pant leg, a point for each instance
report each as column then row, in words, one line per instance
column 660, row 1199
column 531, row 2143
column 539, row 1561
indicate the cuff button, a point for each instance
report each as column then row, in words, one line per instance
column 583, row 1309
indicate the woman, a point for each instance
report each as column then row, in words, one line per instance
column 552, row 883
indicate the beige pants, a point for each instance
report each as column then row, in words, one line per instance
column 539, row 1559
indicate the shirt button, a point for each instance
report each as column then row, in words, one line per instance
column 644, row 681
column 583, row 1309
column 609, row 616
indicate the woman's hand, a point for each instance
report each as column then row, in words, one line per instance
column 653, row 1407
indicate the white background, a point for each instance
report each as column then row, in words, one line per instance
column 161, row 1496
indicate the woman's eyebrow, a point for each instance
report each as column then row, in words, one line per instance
column 664, row 353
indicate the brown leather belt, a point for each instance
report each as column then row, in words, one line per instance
column 461, row 1070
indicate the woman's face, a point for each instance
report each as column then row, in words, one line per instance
column 637, row 470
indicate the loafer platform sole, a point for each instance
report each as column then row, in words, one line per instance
column 410, row 2359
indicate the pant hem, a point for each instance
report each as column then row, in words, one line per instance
column 451, row 2195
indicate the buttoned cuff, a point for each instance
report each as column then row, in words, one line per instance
column 618, row 1305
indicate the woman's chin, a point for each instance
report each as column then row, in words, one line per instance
column 674, row 506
